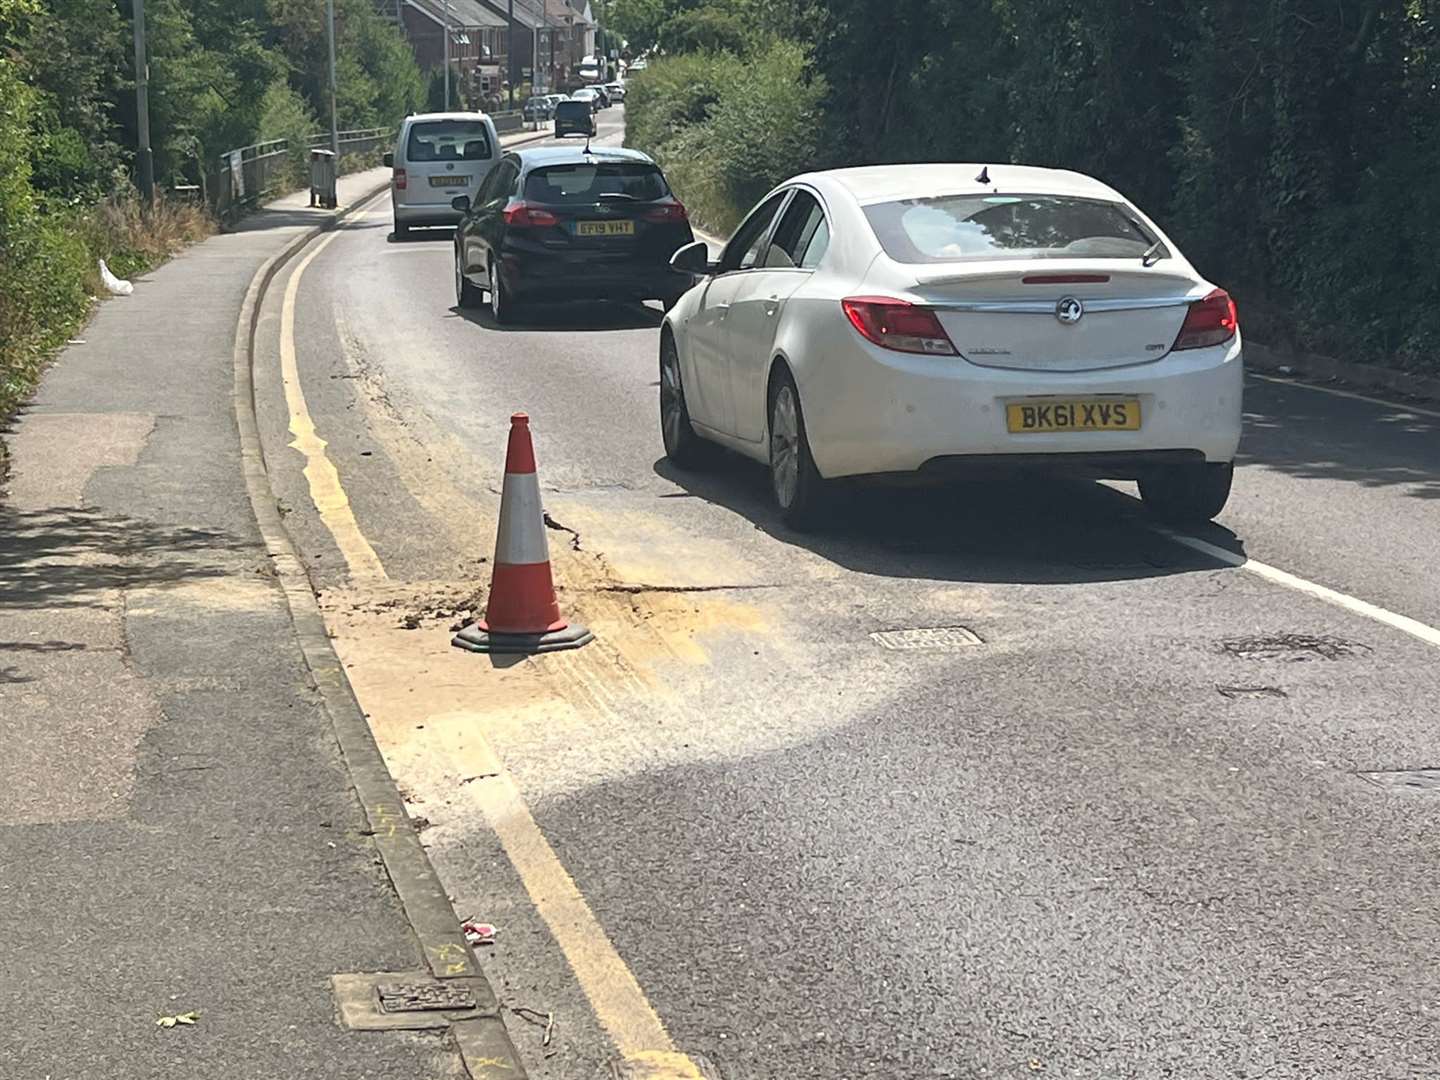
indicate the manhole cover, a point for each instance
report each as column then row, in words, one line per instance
column 1405, row 780
column 1292, row 647
column 927, row 637
column 423, row 997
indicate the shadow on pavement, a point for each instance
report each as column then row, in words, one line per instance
column 1012, row 528
column 64, row 558
column 1316, row 436
column 569, row 317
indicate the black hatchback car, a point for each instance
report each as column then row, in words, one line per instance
column 559, row 223
column 574, row 118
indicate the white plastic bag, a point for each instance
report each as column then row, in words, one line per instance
column 114, row 285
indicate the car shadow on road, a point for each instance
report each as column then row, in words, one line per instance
column 1012, row 528
column 421, row 235
column 568, row 318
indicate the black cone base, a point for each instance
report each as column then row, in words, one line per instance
column 473, row 639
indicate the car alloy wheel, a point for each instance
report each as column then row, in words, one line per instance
column 682, row 445
column 499, row 299
column 799, row 490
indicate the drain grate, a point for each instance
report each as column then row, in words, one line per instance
column 424, row 997
column 1405, row 779
column 409, row 1000
column 927, row 637
column 1292, row 647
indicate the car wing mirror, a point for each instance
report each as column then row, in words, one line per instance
column 388, row 161
column 461, row 203
column 693, row 258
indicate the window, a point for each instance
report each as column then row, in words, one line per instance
column 958, row 227
column 586, row 182
column 802, row 235
column 500, row 184
column 448, row 140
column 743, row 251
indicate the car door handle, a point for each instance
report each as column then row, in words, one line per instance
column 723, row 309
column 772, row 306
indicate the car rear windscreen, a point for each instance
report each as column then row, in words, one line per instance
column 587, row 182
column 448, row 140
column 950, row 228
column 572, row 110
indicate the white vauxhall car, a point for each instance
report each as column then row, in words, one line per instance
column 928, row 318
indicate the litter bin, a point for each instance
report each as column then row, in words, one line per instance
column 322, row 178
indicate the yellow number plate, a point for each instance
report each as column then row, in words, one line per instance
column 606, row 228
column 1082, row 414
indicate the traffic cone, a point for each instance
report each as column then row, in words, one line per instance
column 521, row 613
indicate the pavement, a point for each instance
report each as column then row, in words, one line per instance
column 1138, row 808
column 179, row 830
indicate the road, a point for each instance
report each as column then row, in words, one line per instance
column 1123, row 835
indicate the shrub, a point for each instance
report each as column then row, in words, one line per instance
column 726, row 129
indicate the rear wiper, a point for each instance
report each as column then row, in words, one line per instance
column 1152, row 253
column 616, row 195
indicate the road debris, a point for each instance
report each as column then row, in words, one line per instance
column 186, row 1019
column 478, row 933
column 536, row 1017
column 113, row 285
column 1233, row 692
column 1291, row 647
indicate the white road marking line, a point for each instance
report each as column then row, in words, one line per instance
column 1416, row 629
column 1297, row 384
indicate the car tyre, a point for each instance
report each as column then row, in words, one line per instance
column 1187, row 494
column 467, row 295
column 502, row 307
column 795, row 483
column 682, row 445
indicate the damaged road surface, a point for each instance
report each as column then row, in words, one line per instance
column 945, row 789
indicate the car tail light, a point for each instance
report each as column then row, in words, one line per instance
column 523, row 216
column 399, row 179
column 898, row 324
column 1211, row 321
column 667, row 212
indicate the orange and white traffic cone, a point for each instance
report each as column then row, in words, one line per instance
column 521, row 613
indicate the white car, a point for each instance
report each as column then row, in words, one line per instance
column 438, row 156
column 929, row 318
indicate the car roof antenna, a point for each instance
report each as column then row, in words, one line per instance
column 984, row 177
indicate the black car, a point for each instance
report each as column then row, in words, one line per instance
column 574, row 118
column 561, row 223
column 603, row 94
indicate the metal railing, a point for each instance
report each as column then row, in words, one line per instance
column 242, row 177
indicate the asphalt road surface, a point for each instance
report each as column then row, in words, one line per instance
column 1124, row 832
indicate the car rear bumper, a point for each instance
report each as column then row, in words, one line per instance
column 552, row 279
column 871, row 410
column 425, row 213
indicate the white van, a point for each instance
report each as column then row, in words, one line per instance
column 438, row 156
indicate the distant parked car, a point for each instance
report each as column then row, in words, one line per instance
column 438, row 156
column 588, row 95
column 602, row 94
column 616, row 91
column 574, row 118
column 537, row 109
column 554, row 100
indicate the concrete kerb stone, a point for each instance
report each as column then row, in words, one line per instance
column 1361, row 376
column 485, row 1045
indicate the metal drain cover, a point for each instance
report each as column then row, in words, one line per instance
column 927, row 637
column 424, row 997
column 395, row 1000
column 1405, row 780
